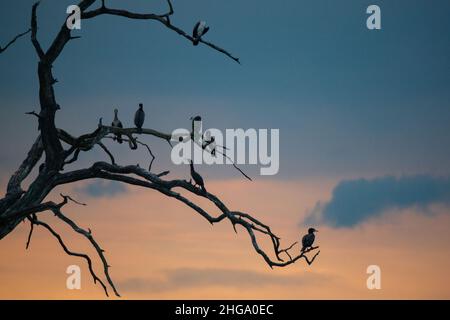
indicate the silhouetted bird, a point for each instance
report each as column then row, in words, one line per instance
column 139, row 117
column 308, row 240
column 197, row 178
column 212, row 146
column 200, row 29
column 116, row 123
column 195, row 132
column 209, row 142
column 206, row 139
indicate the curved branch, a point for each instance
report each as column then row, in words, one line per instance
column 34, row 155
column 31, row 232
column 149, row 180
column 34, row 27
column 69, row 252
column 56, row 209
column 14, row 40
column 113, row 161
column 142, row 144
column 103, row 10
column 87, row 235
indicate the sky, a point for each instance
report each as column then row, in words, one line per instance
column 363, row 118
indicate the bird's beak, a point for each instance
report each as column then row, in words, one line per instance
column 317, row 230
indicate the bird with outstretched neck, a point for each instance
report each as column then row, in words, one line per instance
column 117, row 124
column 197, row 178
column 200, row 29
column 308, row 239
column 139, row 117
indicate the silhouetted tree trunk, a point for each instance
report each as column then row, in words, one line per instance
column 19, row 204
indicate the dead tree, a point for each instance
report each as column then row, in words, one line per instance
column 19, row 204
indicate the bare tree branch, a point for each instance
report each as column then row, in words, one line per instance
column 31, row 232
column 147, row 179
column 14, row 40
column 88, row 235
column 34, row 28
column 69, row 252
column 151, row 16
column 34, row 155
column 113, row 161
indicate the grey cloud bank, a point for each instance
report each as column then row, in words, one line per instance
column 355, row 201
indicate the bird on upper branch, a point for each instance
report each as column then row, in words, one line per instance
column 200, row 29
column 139, row 117
column 117, row 124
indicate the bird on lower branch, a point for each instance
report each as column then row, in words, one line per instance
column 308, row 239
column 197, row 178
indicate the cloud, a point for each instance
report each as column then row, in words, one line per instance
column 102, row 188
column 355, row 201
column 188, row 278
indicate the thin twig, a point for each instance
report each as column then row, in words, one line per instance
column 14, row 40
column 88, row 235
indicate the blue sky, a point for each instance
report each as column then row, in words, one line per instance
column 348, row 101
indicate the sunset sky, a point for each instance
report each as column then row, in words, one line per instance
column 364, row 134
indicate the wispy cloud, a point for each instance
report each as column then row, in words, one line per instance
column 355, row 201
column 193, row 278
column 102, row 188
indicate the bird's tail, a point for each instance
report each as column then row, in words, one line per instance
column 204, row 189
column 119, row 138
column 195, row 41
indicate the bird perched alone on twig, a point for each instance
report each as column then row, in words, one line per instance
column 200, row 29
column 308, row 239
column 195, row 132
column 139, row 117
column 117, row 124
column 197, row 178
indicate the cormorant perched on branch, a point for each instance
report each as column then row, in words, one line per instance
column 200, row 29
column 209, row 141
column 197, row 178
column 118, row 124
column 139, row 117
column 195, row 130
column 308, row 240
